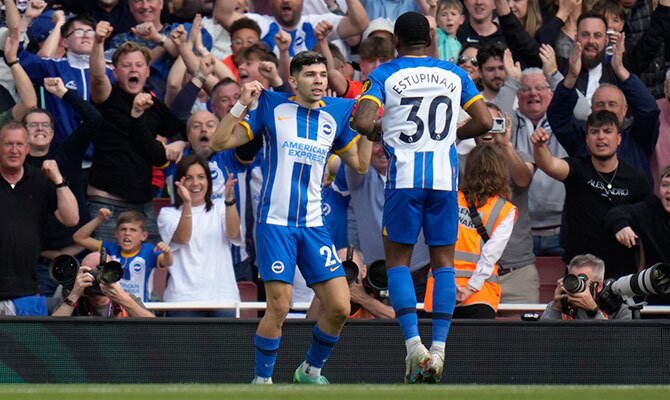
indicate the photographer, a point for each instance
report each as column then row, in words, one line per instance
column 114, row 301
column 582, row 304
column 364, row 302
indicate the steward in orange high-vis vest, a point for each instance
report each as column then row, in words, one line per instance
column 468, row 251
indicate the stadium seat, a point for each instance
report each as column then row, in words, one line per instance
column 159, row 203
column 248, row 292
column 550, row 270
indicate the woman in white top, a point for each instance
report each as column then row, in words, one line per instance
column 200, row 231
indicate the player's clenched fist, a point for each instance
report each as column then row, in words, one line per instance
column 250, row 93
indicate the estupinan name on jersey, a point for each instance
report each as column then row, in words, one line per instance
column 421, row 78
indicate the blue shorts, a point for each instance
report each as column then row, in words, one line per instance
column 281, row 248
column 406, row 211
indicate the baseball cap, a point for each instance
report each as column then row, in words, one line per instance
column 378, row 24
column 41, row 27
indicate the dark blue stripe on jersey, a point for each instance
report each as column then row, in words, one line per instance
column 419, row 159
column 428, row 170
column 297, row 212
column 269, row 39
column 405, row 311
column 310, row 37
column 312, row 124
column 270, row 165
column 304, row 185
column 392, row 169
column 445, row 316
column 301, row 118
column 453, row 161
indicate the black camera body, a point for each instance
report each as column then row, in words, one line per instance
column 376, row 281
column 574, row 284
column 64, row 268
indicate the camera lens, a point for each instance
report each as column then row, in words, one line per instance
column 63, row 269
column 110, row 272
column 351, row 270
column 574, row 283
column 377, row 278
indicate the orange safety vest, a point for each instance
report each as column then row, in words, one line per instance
column 468, row 249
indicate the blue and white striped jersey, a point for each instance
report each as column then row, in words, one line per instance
column 296, row 145
column 420, row 96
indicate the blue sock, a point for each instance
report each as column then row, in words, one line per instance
column 321, row 347
column 444, row 300
column 266, row 355
column 403, row 299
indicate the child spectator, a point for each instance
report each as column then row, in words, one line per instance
column 449, row 17
column 138, row 259
column 615, row 14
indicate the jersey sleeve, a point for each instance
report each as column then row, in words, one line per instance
column 112, row 249
column 469, row 91
column 373, row 88
column 346, row 135
column 153, row 255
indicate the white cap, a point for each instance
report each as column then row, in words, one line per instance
column 378, row 24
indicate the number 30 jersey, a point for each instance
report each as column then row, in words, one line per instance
column 420, row 96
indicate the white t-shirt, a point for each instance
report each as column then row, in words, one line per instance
column 203, row 268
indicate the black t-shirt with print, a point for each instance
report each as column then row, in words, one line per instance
column 589, row 196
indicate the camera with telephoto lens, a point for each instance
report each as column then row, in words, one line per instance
column 375, row 282
column 64, row 268
column 652, row 280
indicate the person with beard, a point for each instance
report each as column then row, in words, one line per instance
column 492, row 69
column 126, row 145
column 594, row 185
column 287, row 15
column 639, row 133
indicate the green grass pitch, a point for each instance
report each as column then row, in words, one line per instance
column 335, row 392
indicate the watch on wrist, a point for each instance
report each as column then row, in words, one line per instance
column 63, row 183
column 69, row 302
column 229, row 203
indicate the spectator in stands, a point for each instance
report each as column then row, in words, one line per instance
column 646, row 223
column 560, row 29
column 287, row 15
column 468, row 61
column 519, row 279
column 593, row 186
column 479, row 27
column 113, row 303
column 364, row 304
column 546, row 195
column 393, row 9
column 200, row 231
column 137, row 258
column 661, row 154
column 449, row 17
column 221, row 40
column 492, row 69
column 224, row 96
column 120, row 177
column 24, row 88
column 528, row 14
column 582, row 305
column 27, row 196
column 116, row 12
column 524, row 48
column 638, row 134
column 77, row 36
column 243, row 33
column 68, row 154
column 477, row 271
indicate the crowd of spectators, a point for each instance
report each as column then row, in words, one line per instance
column 116, row 101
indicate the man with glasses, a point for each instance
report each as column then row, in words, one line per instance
column 582, row 305
column 533, row 92
column 77, row 35
column 68, row 154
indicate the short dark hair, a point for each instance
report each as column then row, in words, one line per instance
column 601, row 118
column 38, row 110
column 81, row 18
column 132, row 216
column 591, row 14
column 223, row 82
column 493, row 50
column 613, row 7
column 305, row 58
column 244, row 23
column 412, row 28
column 258, row 50
column 182, row 168
column 375, row 47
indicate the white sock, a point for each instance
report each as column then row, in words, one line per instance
column 314, row 372
column 412, row 343
column 437, row 347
